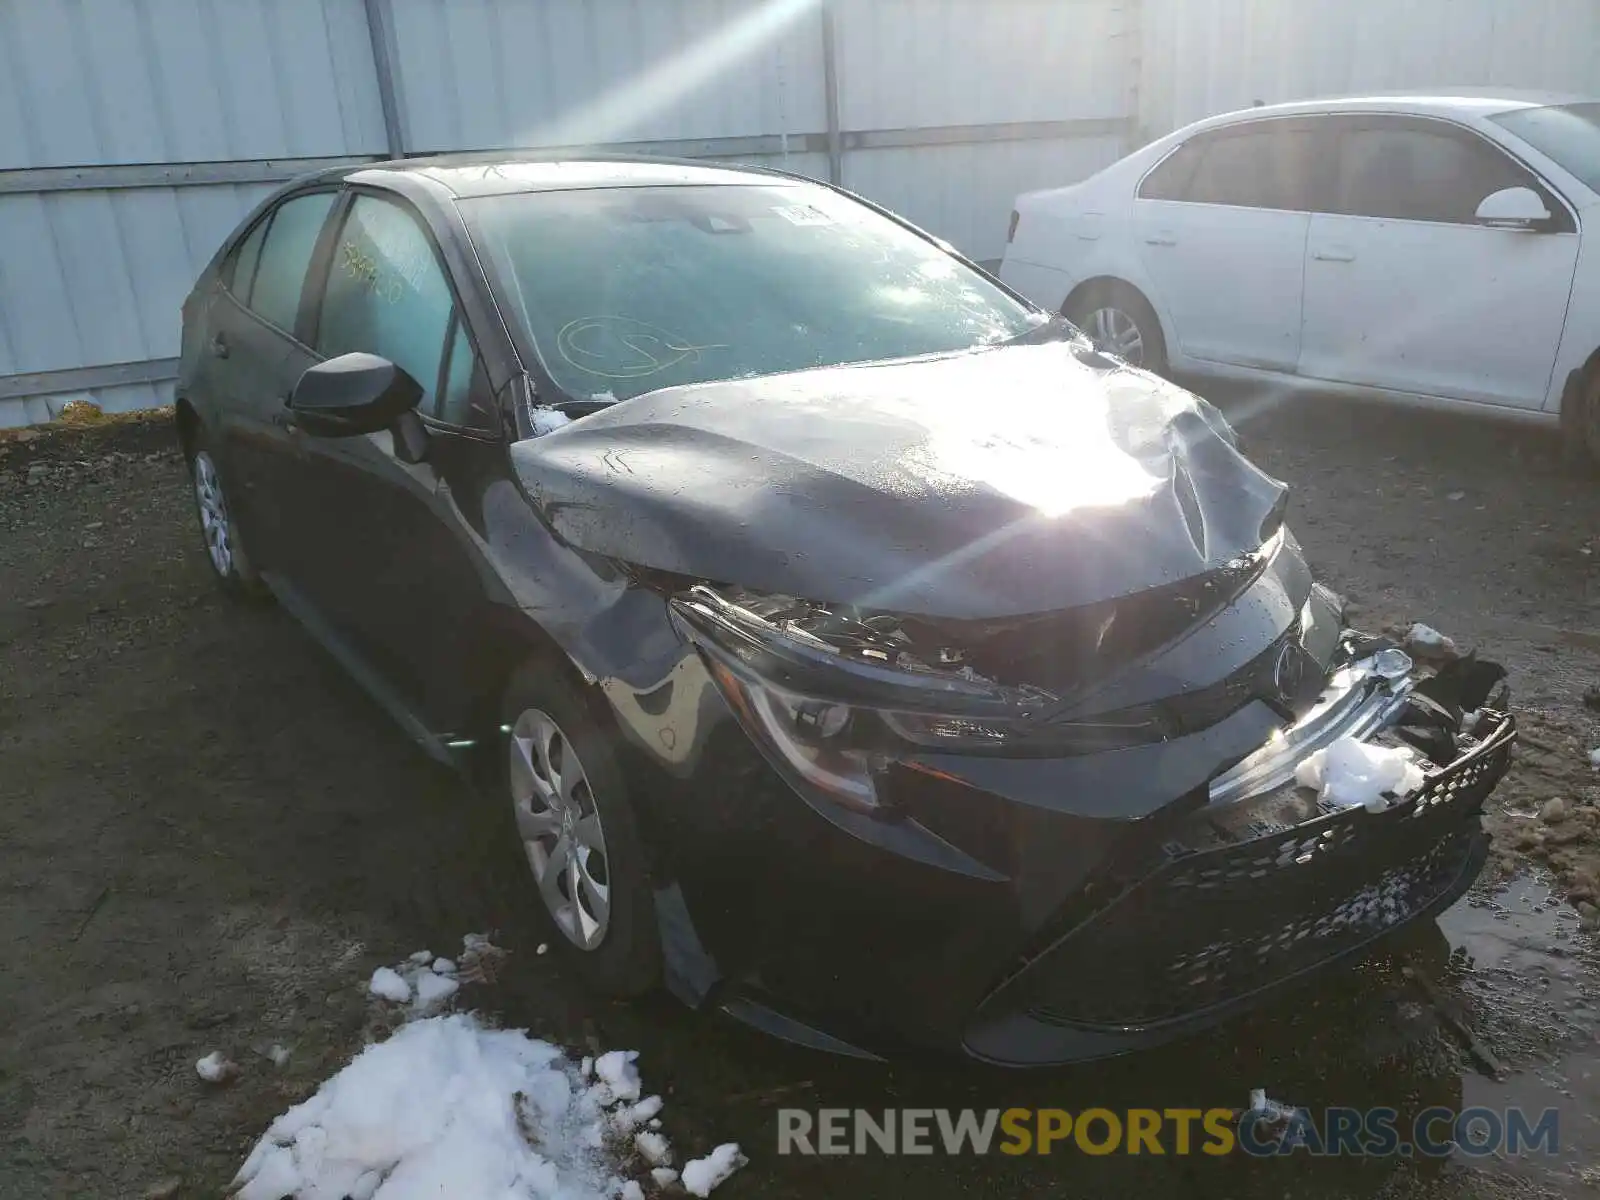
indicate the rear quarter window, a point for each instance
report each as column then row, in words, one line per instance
column 239, row 272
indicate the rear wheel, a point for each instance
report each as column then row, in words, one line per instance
column 1580, row 421
column 224, row 548
column 1120, row 322
column 569, row 801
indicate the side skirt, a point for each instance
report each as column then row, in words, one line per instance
column 443, row 748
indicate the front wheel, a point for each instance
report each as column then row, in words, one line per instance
column 569, row 800
column 1120, row 322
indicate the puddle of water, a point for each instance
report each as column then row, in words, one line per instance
column 1530, row 981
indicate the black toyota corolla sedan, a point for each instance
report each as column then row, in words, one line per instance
column 859, row 652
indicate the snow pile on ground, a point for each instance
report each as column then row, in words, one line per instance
column 448, row 1106
column 1354, row 774
column 703, row 1174
column 445, row 1107
column 426, row 982
column 215, row 1068
column 388, row 985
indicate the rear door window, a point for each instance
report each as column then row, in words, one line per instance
column 1267, row 164
column 1409, row 171
column 387, row 294
column 285, row 254
column 1263, row 168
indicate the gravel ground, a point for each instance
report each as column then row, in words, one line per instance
column 208, row 839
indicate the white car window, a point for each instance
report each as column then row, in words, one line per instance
column 1413, row 174
column 1268, row 165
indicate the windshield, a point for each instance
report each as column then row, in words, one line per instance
column 621, row 291
column 1567, row 134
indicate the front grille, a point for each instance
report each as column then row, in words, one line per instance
column 1207, row 928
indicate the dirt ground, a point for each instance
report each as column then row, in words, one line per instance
column 209, row 838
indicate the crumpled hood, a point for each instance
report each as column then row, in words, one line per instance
column 1003, row 482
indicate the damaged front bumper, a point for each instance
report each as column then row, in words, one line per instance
column 1078, row 887
column 1253, row 891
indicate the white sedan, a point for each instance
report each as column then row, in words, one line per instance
column 1433, row 250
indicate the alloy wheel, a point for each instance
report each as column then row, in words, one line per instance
column 1115, row 332
column 213, row 506
column 560, row 828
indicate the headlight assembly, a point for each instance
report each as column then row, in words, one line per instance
column 833, row 722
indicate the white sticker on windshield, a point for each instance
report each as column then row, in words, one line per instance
column 804, row 214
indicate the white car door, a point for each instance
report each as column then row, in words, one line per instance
column 1221, row 230
column 1407, row 291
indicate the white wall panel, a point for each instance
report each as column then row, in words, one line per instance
column 118, row 81
column 498, row 73
column 964, row 193
column 97, row 277
column 1208, row 56
column 907, row 64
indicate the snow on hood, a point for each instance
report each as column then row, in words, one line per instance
column 989, row 484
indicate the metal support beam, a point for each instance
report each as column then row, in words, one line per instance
column 383, row 68
column 833, row 143
column 771, row 145
column 160, row 175
column 84, row 379
column 830, row 92
column 762, row 145
column 963, row 135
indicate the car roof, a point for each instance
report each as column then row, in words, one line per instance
column 498, row 173
column 1452, row 102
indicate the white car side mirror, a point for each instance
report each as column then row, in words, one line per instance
column 1513, row 208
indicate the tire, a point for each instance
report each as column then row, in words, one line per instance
column 1115, row 315
column 1580, row 422
column 230, row 565
column 578, row 833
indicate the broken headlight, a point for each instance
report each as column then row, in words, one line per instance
column 832, row 720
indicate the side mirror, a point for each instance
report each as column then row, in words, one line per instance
column 1513, row 208
column 352, row 394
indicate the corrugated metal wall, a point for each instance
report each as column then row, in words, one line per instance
column 497, row 74
column 944, row 109
column 1208, row 56
column 941, row 109
column 95, row 276
column 921, row 64
column 511, row 73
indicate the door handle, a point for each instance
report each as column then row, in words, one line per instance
column 1161, row 239
column 219, row 346
column 1334, row 254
